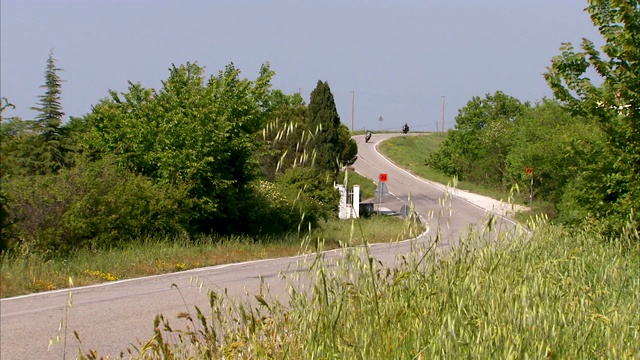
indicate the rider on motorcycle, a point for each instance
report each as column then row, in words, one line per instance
column 367, row 136
column 405, row 128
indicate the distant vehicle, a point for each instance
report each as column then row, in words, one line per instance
column 405, row 128
column 367, row 137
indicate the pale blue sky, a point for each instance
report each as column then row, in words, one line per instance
column 399, row 57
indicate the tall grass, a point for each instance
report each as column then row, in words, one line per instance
column 550, row 294
column 411, row 153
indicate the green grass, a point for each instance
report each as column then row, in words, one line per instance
column 410, row 152
column 367, row 186
column 548, row 295
column 30, row 273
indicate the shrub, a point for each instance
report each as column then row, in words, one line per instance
column 311, row 193
column 95, row 204
column 268, row 210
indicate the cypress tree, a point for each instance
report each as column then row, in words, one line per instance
column 49, row 149
column 324, row 122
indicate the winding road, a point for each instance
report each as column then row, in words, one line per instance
column 111, row 316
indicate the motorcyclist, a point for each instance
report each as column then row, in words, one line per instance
column 367, row 136
column 405, row 128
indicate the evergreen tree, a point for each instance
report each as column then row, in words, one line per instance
column 49, row 150
column 324, row 122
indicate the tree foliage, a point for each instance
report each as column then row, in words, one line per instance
column 37, row 146
column 285, row 137
column 498, row 137
column 194, row 132
column 477, row 148
column 200, row 154
column 4, row 196
column 556, row 146
column 332, row 146
column 49, row 150
column 94, row 204
column 612, row 194
column 311, row 192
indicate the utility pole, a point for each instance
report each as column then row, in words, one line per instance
column 353, row 97
column 443, row 114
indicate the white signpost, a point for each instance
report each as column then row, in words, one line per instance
column 382, row 189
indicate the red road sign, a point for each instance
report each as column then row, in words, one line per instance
column 382, row 177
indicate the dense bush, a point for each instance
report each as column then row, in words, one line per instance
column 311, row 193
column 200, row 155
column 497, row 138
column 602, row 82
column 196, row 133
column 95, row 204
column 270, row 211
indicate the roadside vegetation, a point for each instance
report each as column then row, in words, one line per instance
column 413, row 152
column 551, row 294
column 580, row 149
column 151, row 256
column 203, row 171
column 567, row 289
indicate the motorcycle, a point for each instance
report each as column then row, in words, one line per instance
column 367, row 137
column 405, row 129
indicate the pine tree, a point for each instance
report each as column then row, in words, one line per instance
column 49, row 150
column 324, row 122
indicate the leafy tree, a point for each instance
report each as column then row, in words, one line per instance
column 285, row 136
column 195, row 132
column 308, row 191
column 349, row 148
column 49, row 151
column 613, row 193
column 557, row 146
column 285, row 140
column 5, row 104
column 280, row 100
column 331, row 149
column 477, row 148
column 11, row 128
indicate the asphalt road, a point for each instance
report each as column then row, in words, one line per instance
column 110, row 317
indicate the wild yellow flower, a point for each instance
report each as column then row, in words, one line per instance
column 101, row 275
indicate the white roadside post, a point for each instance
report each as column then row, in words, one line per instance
column 355, row 203
column 342, row 208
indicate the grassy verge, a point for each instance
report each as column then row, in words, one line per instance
column 30, row 273
column 410, row 152
column 367, row 186
column 551, row 295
